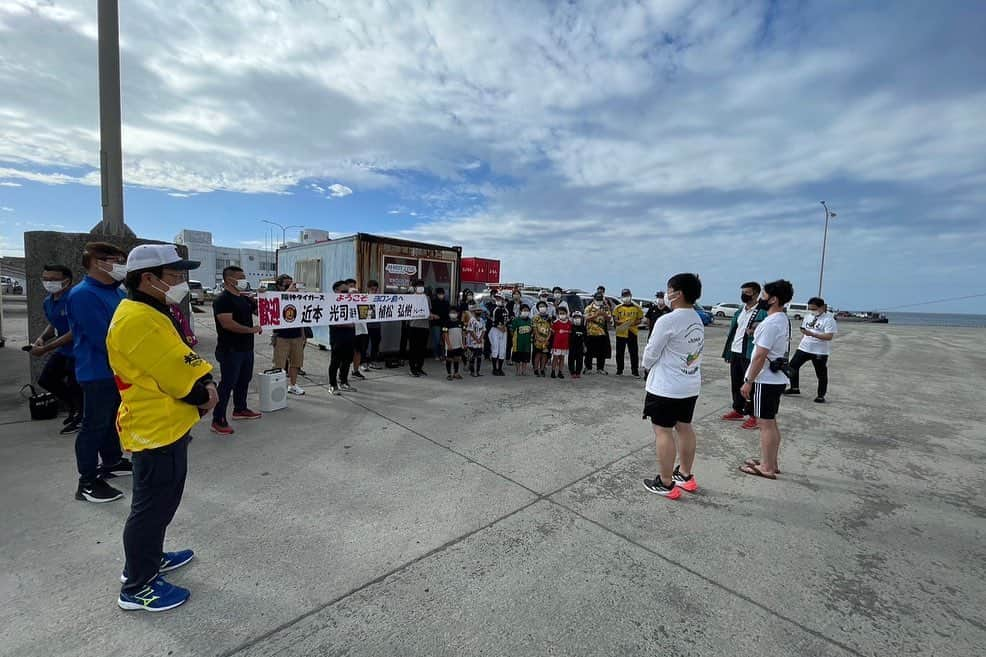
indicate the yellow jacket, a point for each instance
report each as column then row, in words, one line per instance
column 623, row 314
column 154, row 369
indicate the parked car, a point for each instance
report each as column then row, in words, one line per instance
column 704, row 314
column 797, row 310
column 196, row 292
column 11, row 286
column 725, row 309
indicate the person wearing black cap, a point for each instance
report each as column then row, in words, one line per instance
column 657, row 310
column 165, row 389
column 627, row 317
column 597, row 319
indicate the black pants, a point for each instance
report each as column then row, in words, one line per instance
column 475, row 359
column 821, row 364
column 58, row 378
column 622, row 344
column 376, row 335
column 341, row 362
column 596, row 347
column 97, row 440
column 418, row 347
column 159, row 481
column 737, row 372
column 237, row 371
column 575, row 355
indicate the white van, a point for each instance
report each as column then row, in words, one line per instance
column 797, row 310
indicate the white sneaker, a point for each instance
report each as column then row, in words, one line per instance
column 296, row 390
column 365, row 367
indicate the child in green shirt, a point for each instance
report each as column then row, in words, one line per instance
column 521, row 329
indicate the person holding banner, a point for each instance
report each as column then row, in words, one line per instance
column 418, row 331
column 342, row 342
column 289, row 344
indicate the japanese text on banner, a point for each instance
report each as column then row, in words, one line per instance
column 280, row 310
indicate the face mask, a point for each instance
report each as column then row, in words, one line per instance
column 453, row 316
column 763, row 304
column 557, row 296
column 52, row 287
column 117, row 271
column 577, row 321
column 501, row 303
column 175, row 294
column 598, row 303
column 242, row 284
column 469, row 297
column 419, row 290
column 525, row 314
column 627, row 299
column 563, row 317
column 746, row 298
column 441, row 296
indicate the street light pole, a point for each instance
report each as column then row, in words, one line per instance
column 821, row 271
column 284, row 230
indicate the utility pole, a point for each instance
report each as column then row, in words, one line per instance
column 110, row 140
column 821, row 271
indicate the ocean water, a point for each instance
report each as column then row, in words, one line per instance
column 936, row 319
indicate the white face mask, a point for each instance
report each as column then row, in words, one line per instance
column 175, row 294
column 557, row 296
column 419, row 290
column 53, row 287
column 577, row 321
column 242, row 284
column 525, row 314
column 501, row 303
column 627, row 299
column 453, row 317
column 116, row 271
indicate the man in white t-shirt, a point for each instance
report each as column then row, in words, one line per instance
column 818, row 330
column 673, row 360
column 765, row 379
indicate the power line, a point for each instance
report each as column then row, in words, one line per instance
column 925, row 303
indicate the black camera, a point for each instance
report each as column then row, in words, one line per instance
column 781, row 365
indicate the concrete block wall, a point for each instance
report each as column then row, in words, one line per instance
column 44, row 247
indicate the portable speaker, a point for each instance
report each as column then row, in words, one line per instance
column 273, row 388
column 43, row 405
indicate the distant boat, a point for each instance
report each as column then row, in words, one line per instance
column 871, row 317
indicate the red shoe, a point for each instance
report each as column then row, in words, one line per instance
column 223, row 429
column 247, row 414
column 733, row 416
column 751, row 424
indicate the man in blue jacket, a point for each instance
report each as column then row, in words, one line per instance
column 739, row 351
column 91, row 305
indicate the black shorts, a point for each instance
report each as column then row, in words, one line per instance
column 767, row 399
column 667, row 412
column 521, row 357
column 362, row 342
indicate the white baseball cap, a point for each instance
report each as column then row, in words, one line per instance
column 149, row 256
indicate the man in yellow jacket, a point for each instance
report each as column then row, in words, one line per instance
column 165, row 388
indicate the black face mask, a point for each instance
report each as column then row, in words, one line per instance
column 746, row 298
column 764, row 304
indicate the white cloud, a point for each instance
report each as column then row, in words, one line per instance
column 337, row 191
column 182, row 194
column 9, row 184
column 6, row 209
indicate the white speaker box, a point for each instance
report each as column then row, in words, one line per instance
column 273, row 388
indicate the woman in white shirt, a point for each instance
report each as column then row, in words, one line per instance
column 766, row 378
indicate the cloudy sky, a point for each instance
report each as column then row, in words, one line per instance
column 578, row 142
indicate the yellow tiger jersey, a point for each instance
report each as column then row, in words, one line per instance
column 154, row 369
column 623, row 314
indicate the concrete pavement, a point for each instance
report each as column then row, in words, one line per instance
column 505, row 516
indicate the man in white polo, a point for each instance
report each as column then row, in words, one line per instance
column 818, row 329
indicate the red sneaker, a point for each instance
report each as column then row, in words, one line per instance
column 223, row 429
column 247, row 414
column 751, row 424
column 733, row 416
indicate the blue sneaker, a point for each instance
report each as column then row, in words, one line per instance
column 156, row 596
column 169, row 561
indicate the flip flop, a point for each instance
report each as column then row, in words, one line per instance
column 755, row 462
column 755, row 471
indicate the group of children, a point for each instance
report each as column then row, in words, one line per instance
column 534, row 340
